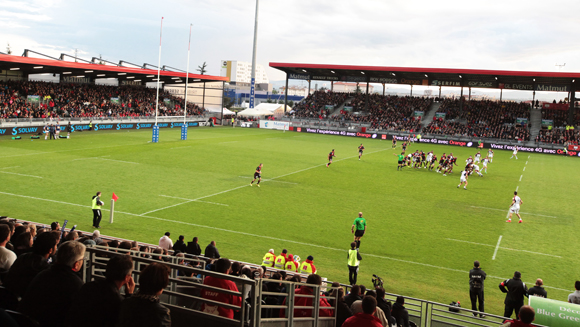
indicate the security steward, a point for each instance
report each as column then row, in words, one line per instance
column 97, row 215
column 476, row 278
column 515, row 289
column 280, row 262
column 353, row 262
column 307, row 267
column 269, row 258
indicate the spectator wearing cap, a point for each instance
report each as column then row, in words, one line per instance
column 538, row 290
column 50, row 294
column 269, row 258
column 165, row 242
column 515, row 289
column 365, row 318
column 307, row 267
column 526, row 316
column 180, row 245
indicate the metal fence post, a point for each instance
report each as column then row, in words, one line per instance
column 316, row 304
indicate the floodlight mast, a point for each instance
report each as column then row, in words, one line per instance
column 253, row 80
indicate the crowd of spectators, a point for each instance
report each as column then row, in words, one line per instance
column 481, row 119
column 59, row 100
column 559, row 136
column 313, row 106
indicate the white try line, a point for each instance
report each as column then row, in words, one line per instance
column 83, row 149
column 503, row 248
column 269, row 180
column 524, row 169
column 496, row 247
column 11, row 173
column 517, row 187
column 525, row 213
column 521, row 177
column 175, row 197
column 526, row 162
column 10, row 167
column 266, row 237
column 101, row 158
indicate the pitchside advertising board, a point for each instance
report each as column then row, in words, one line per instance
column 97, row 127
column 494, row 146
column 273, row 124
column 554, row 313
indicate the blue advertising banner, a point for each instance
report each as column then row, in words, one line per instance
column 184, row 132
column 155, row 138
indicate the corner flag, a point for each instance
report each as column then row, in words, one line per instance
column 115, row 197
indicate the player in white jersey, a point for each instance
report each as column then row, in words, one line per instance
column 476, row 169
column 477, row 157
column 469, row 160
column 429, row 158
column 490, row 155
column 515, row 207
column 485, row 162
column 515, row 153
column 463, row 179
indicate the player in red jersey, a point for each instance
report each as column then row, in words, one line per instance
column 257, row 175
column 330, row 156
column 360, row 150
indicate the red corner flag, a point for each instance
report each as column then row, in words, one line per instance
column 115, row 197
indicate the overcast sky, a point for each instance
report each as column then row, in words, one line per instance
column 512, row 35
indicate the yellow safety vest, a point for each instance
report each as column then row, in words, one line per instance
column 268, row 260
column 291, row 266
column 306, row 268
column 353, row 258
column 280, row 262
column 95, row 204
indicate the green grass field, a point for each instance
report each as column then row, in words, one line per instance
column 423, row 232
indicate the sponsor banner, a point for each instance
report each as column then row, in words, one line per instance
column 418, row 114
column 436, row 82
column 131, row 82
column 469, row 144
column 167, row 101
column 273, row 124
column 555, row 106
column 299, row 76
column 354, row 79
column 520, row 120
column 385, row 80
column 115, row 100
column 511, row 86
column 98, row 127
column 414, row 81
column 552, row 88
column 325, row 78
column 481, row 84
column 440, row 115
column 246, row 124
column 75, row 79
column 572, row 147
column 33, row 99
column 347, row 108
column 547, row 122
column 328, row 107
column 554, row 313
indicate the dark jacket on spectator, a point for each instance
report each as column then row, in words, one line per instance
column 350, row 298
column 97, row 304
column 400, row 314
column 343, row 312
column 515, row 289
column 535, row 291
column 143, row 311
column 193, row 248
column 386, row 307
column 179, row 246
column 211, row 252
column 23, row 271
column 50, row 295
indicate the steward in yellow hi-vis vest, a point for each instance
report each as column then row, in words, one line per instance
column 96, row 205
column 353, row 262
column 280, row 262
column 291, row 265
column 269, row 258
column 307, row 267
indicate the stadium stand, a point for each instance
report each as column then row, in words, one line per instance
column 265, row 294
column 313, row 105
column 61, row 100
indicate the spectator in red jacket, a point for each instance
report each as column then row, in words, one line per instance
column 526, row 315
column 307, row 301
column 365, row 318
column 223, row 266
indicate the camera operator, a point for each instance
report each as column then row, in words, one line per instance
column 476, row 278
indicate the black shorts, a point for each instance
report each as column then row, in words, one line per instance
column 256, row 175
column 400, row 162
column 360, row 151
column 359, row 232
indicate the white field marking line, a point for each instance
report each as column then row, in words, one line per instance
column 521, row 177
column 10, row 167
column 175, row 197
column 7, row 172
column 526, row 213
column 517, row 187
column 181, row 147
column 496, row 247
column 101, row 158
column 228, row 142
column 269, row 180
column 504, row 248
column 239, row 187
column 30, row 154
column 266, row 237
column 526, row 162
column 524, row 169
column 529, row 157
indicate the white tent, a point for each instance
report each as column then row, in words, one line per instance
column 255, row 112
column 218, row 110
column 269, row 106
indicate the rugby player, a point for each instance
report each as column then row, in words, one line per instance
column 360, row 150
column 515, row 208
column 394, row 143
column 463, row 179
column 330, row 156
column 515, row 153
column 485, row 162
column 490, row 155
column 257, row 175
